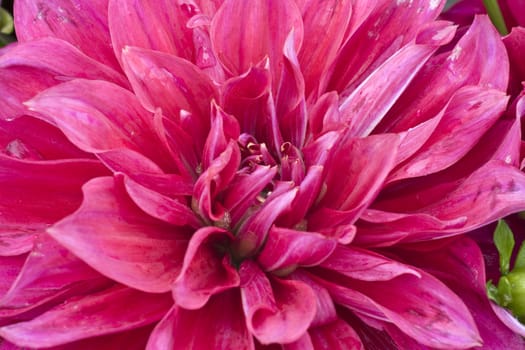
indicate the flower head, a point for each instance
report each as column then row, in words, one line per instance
column 245, row 173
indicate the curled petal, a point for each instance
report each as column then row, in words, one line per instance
column 206, row 270
column 279, row 311
column 285, row 248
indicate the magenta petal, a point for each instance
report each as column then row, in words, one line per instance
column 364, row 265
column 261, row 31
column 370, row 101
column 337, row 335
column 471, row 112
column 158, row 25
column 479, row 58
column 48, row 272
column 10, row 267
column 215, row 179
column 286, row 248
column 34, row 195
column 61, row 59
column 385, row 27
column 83, row 24
column 326, row 21
column 357, row 171
column 279, row 311
column 218, row 325
column 173, row 211
column 206, row 270
column 491, row 192
column 33, row 139
column 102, row 313
column 171, row 83
column 252, row 233
column 224, row 127
column 120, row 241
column 95, row 124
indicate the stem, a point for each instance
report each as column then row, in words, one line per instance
column 495, row 15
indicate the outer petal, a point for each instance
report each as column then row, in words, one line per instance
column 325, row 21
column 49, row 272
column 279, row 312
column 34, row 195
column 337, row 335
column 83, row 24
column 206, row 270
column 97, row 124
column 33, row 139
column 471, row 112
column 102, row 313
column 61, row 59
column 260, row 29
column 479, row 58
column 364, row 265
column 113, row 236
column 386, row 28
column 158, row 25
column 371, row 100
column 164, row 81
column 219, row 325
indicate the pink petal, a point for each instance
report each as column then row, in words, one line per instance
column 30, row 138
column 48, row 273
column 34, row 195
column 215, row 179
column 18, row 84
column 364, row 265
column 515, row 45
column 120, row 241
column 357, row 171
column 102, row 313
column 471, row 112
column 93, row 122
column 493, row 191
column 206, row 270
column 370, row 101
column 286, row 248
column 224, row 128
column 159, row 206
column 290, row 105
column 219, row 325
column 164, row 81
column 479, row 58
column 9, row 269
column 325, row 21
column 279, row 311
column 337, row 335
column 61, row 59
column 261, row 30
column 252, row 234
column 244, row 189
column 84, row 25
column 159, row 25
column 389, row 26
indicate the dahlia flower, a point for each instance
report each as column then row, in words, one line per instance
column 248, row 174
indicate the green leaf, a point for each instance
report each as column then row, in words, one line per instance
column 6, row 22
column 504, row 292
column 520, row 258
column 504, row 240
column 492, row 292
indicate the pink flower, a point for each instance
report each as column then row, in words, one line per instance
column 246, row 174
